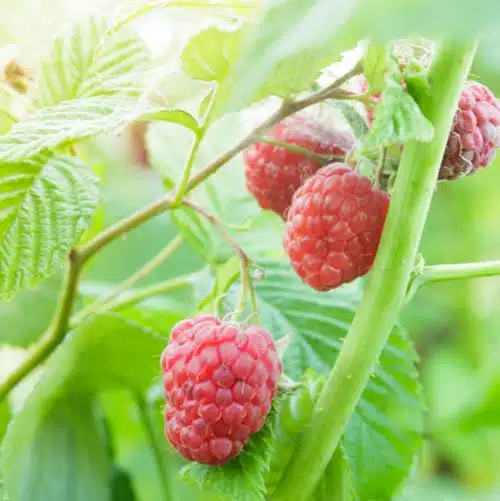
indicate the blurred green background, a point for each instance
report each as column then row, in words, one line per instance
column 456, row 326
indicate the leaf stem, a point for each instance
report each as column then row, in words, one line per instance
column 55, row 333
column 182, row 189
column 388, row 281
column 186, row 174
column 101, row 304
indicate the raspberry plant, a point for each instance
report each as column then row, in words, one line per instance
column 345, row 420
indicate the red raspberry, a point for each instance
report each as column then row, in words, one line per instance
column 475, row 134
column 273, row 174
column 219, row 382
column 334, row 226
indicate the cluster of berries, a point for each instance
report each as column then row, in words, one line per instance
column 334, row 216
column 220, row 378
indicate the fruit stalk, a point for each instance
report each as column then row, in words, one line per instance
column 388, row 282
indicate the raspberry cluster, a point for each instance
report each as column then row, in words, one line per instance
column 475, row 134
column 219, row 380
column 273, row 174
column 334, row 227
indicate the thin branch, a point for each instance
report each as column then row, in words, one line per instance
column 143, row 293
column 56, row 332
column 101, row 304
column 246, row 280
column 299, row 150
column 124, row 226
column 444, row 272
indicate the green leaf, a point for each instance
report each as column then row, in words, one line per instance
column 210, row 54
column 242, row 479
column 288, row 49
column 383, row 435
column 179, row 117
column 397, row 119
column 81, row 62
column 69, row 121
column 289, row 423
column 57, row 455
column 337, row 481
column 4, row 418
column 122, row 488
column 96, row 356
column 375, row 66
column 45, row 205
column 21, row 329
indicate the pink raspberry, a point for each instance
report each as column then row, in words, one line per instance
column 273, row 173
column 475, row 134
column 220, row 380
column 334, row 227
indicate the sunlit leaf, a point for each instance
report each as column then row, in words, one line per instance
column 288, row 48
column 75, row 68
column 209, row 55
column 45, row 205
column 69, row 121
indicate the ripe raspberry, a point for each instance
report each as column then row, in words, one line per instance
column 273, row 174
column 334, row 226
column 475, row 134
column 219, row 382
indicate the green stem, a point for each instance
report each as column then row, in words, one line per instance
column 186, row 174
column 124, row 226
column 442, row 272
column 388, row 281
column 380, row 168
column 145, row 293
column 255, row 304
column 246, row 281
column 100, row 305
column 55, row 334
column 158, row 454
column 299, row 150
